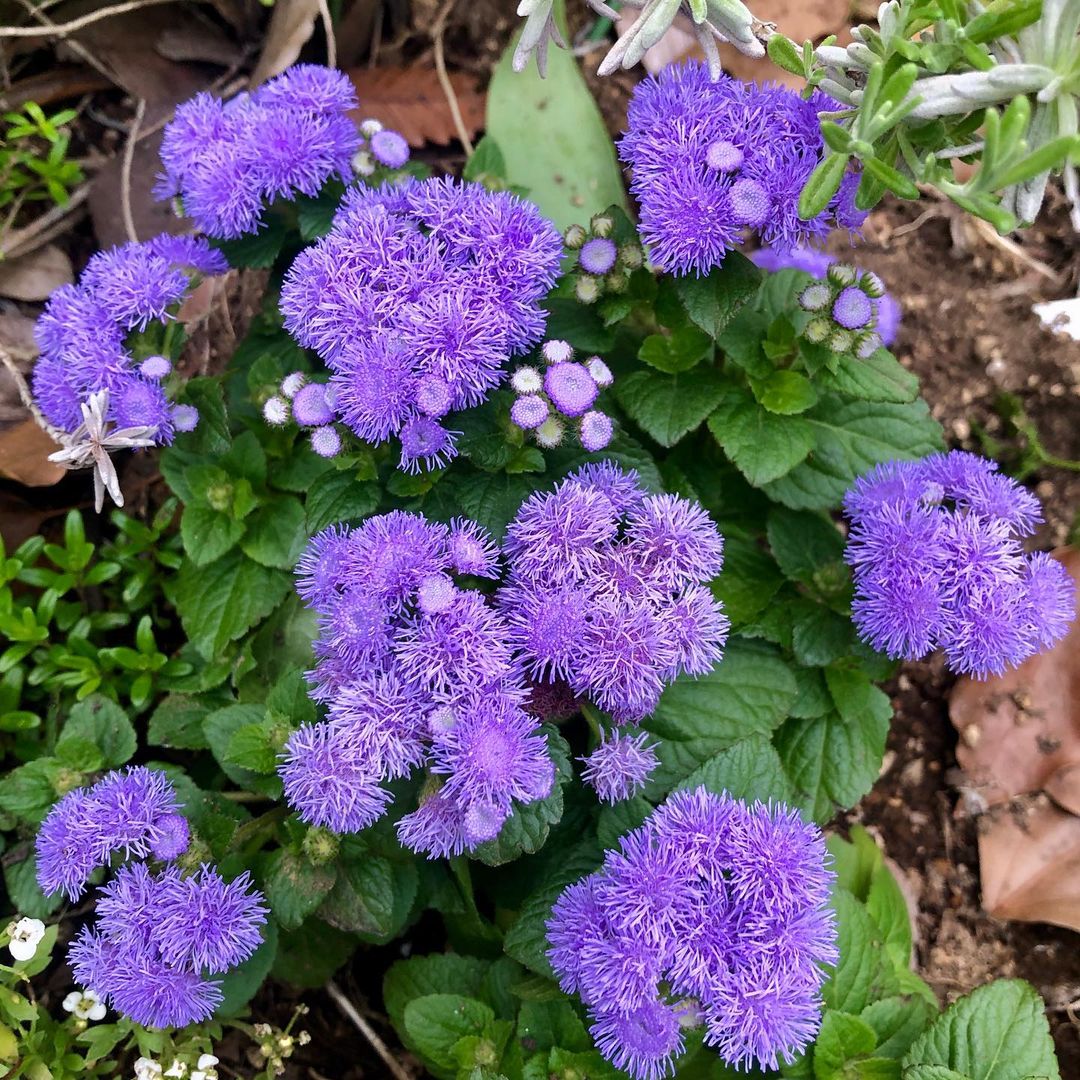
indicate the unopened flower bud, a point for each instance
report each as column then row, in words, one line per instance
column 601, row 225
column 817, row 330
column 872, row 285
column 841, row 274
column 575, row 237
column 276, row 411
column 550, row 433
column 617, row 281
column 292, row 383
column 841, row 341
column 320, row 846
column 527, row 380
column 363, row 163
column 587, row 290
column 867, row 344
column 370, row 127
column 631, row 256
column 557, row 351
column 815, row 297
column 600, row 372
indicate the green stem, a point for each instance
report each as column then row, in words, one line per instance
column 592, row 718
column 253, row 830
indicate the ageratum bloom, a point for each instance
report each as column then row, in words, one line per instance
column 711, row 160
column 226, row 160
column 606, row 589
column 936, row 551
column 713, row 911
column 416, row 300
column 416, row 670
column 159, row 938
column 83, row 331
column 135, row 812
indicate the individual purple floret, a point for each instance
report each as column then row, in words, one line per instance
column 134, row 812
column 597, row 256
column 604, row 589
column 620, row 766
column 936, row 552
column 389, row 148
column 714, row 911
column 416, row 300
column 158, row 938
column 853, row 309
column 83, row 331
column 595, row 431
column 417, row 670
column 710, row 159
column 226, row 160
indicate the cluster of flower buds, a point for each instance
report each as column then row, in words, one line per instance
column 380, row 146
column 603, row 266
column 845, row 310
column 310, row 404
column 565, row 389
column 276, row 1045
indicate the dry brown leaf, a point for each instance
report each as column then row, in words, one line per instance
column 411, row 100
column 24, row 455
column 33, row 276
column 291, row 26
column 1020, row 733
column 1030, row 863
column 61, row 82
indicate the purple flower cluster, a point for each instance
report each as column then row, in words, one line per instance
column 886, row 310
column 83, row 329
column 134, row 813
column 158, row 937
column 227, row 159
column 416, row 299
column 724, row 905
column 620, row 766
column 608, row 592
column 310, row 405
column 936, row 550
column 713, row 159
column 415, row 670
column 568, row 388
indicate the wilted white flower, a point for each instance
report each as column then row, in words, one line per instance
column 204, row 1068
column 147, row 1069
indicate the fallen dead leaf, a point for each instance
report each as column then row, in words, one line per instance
column 24, row 455
column 33, row 276
column 61, row 82
column 411, row 101
column 1020, row 733
column 291, row 26
column 1030, row 863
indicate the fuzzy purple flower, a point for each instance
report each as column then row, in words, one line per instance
column 133, row 812
column 226, row 160
column 710, row 159
column 604, row 589
column 935, row 549
column 416, row 300
column 714, row 911
column 620, row 766
column 597, row 256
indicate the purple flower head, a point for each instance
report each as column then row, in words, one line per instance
column 436, row 828
column 571, row 388
column 595, row 431
column 548, row 624
column 712, row 158
column 713, row 900
column 134, row 285
column 158, row 996
column 189, row 253
column 185, row 417
column 155, row 367
column 425, row 444
column 290, row 136
column 390, row 149
column 529, row 412
column 434, row 396
column 173, row 834
column 325, row 441
column 935, row 548
column 472, row 550
column 853, row 309
column 310, row 406
column 620, row 766
column 138, row 402
column 597, row 256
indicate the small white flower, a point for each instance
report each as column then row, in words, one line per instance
column 204, row 1068
column 147, row 1069
column 276, row 411
column 85, row 1004
column 370, row 127
column 600, row 372
column 178, row 1069
column 526, row 380
column 363, row 163
column 26, row 936
column 557, row 352
column 550, row 433
column 293, row 383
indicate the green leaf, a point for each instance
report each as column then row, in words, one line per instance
column 619, row 818
column 250, row 748
column 485, row 162
column 553, row 138
column 436, row 1022
column 28, row 791
column 221, row 602
column 257, row 250
column 783, row 54
column 105, row 724
column 24, row 893
column 240, row 984
column 714, row 299
column 748, row 692
column 372, row 896
column 897, row 1023
column 276, row 533
column 880, row 377
column 178, row 723
column 680, row 350
column 803, row 542
column 762, row 445
column 786, row 392
column 315, row 216
column 307, row 957
column 420, row 976
column 294, row 887
column 492, row 499
column 833, row 760
column 819, row 635
column 842, row 1039
column 748, row 769
column 848, row 439
column 546, row 1024
column 339, row 496
column 208, row 533
column 748, row 581
column 823, row 184
column 580, row 325
column 211, row 435
column 219, row 728
column 997, row 1032
column 669, row 407
column 864, row 973
column 887, row 907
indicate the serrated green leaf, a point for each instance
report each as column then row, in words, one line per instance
column 256, row 250
column 897, row 1023
column 803, row 542
column 420, row 976
column 749, row 769
column 619, row 818
column 763, row 446
column 864, row 973
column 435, row 1023
column 294, row 887
column 339, row 496
column 102, row 722
column 240, row 984
column 668, row 407
column 712, row 300
column 208, row 534
column 177, row 723
column 880, row 377
column 819, row 635
column 372, row 896
column 841, row 1041
column 748, row 581
column 785, row 392
column 276, row 533
column 681, row 350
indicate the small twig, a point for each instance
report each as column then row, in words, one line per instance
column 1010, row 247
column 328, row 29
column 438, row 28
column 365, row 1029
column 914, row 226
column 80, row 50
column 26, row 397
column 19, row 242
column 63, row 29
column 125, row 172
